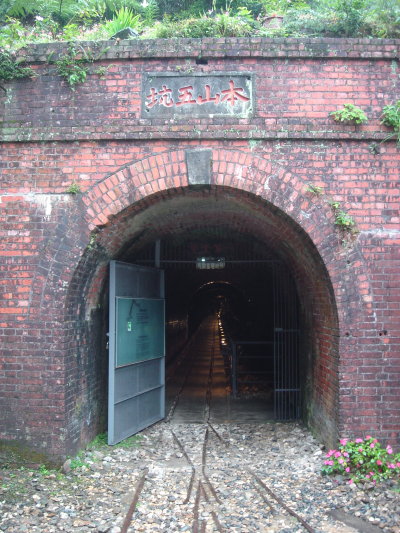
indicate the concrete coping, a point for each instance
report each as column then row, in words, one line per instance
column 255, row 47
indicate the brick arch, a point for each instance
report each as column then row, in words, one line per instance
column 339, row 283
column 133, row 182
column 250, row 173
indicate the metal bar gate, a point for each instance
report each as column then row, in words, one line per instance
column 287, row 399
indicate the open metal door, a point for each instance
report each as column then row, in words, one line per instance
column 136, row 396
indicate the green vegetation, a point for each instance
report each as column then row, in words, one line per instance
column 391, row 118
column 11, row 69
column 124, row 18
column 78, row 462
column 342, row 219
column 73, row 68
column 314, row 189
column 350, row 113
column 362, row 460
column 26, row 21
column 130, row 442
column 74, row 187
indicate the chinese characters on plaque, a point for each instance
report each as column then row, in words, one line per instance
column 167, row 95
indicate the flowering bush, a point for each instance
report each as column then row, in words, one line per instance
column 362, row 460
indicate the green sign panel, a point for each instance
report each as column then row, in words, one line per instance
column 140, row 330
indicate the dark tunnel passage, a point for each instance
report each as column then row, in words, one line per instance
column 222, row 316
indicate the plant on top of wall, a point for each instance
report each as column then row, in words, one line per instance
column 349, row 113
column 391, row 118
column 11, row 69
column 74, row 65
column 124, row 19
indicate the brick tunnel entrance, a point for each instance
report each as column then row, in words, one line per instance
column 239, row 268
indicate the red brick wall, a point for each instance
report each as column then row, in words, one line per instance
column 52, row 361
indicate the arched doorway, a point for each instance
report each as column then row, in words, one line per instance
column 257, row 242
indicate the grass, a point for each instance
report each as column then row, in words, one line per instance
column 100, row 441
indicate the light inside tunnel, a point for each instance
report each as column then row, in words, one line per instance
column 210, row 263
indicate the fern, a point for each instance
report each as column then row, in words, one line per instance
column 64, row 11
column 21, row 8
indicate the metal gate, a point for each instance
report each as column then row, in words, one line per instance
column 286, row 346
column 136, row 397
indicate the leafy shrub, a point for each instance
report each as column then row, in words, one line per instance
column 150, row 12
column 342, row 219
column 44, row 20
column 391, row 118
column 384, row 18
column 350, row 17
column 342, row 18
column 280, row 7
column 175, row 6
column 13, row 32
column 10, row 69
column 350, row 113
column 73, row 67
column 222, row 25
column 362, row 460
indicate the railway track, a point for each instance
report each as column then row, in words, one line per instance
column 203, row 497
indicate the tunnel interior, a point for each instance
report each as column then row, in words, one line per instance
column 216, row 272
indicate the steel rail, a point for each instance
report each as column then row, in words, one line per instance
column 128, row 517
column 273, row 495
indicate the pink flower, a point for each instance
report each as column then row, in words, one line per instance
column 378, row 462
column 389, row 450
column 350, row 481
column 345, row 454
column 398, row 465
column 360, row 450
column 337, row 454
column 358, row 440
column 372, row 445
column 331, row 452
column 348, row 469
column 328, row 462
column 343, row 442
column 391, row 465
column 367, row 476
column 341, row 461
column 368, row 437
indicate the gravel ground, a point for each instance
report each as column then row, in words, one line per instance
column 192, row 486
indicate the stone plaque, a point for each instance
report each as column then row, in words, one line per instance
column 198, row 164
column 198, row 95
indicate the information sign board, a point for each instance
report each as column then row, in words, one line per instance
column 140, row 330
